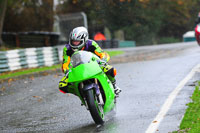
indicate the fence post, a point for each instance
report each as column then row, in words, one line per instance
column 17, row 40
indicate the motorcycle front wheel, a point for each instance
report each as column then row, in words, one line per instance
column 96, row 109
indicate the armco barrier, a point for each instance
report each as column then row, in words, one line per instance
column 115, row 44
column 108, row 44
column 29, row 39
column 60, row 52
column 45, row 56
column 189, row 36
column 27, row 58
column 127, row 44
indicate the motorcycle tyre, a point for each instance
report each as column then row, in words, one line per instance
column 93, row 108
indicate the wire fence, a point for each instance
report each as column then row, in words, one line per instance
column 67, row 22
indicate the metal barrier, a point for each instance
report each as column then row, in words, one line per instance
column 30, row 39
column 45, row 56
column 108, row 44
column 189, row 36
column 116, row 44
column 28, row 58
column 123, row 44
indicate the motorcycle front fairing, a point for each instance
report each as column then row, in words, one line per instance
column 84, row 66
column 84, row 71
column 108, row 90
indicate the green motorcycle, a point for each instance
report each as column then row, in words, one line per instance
column 87, row 81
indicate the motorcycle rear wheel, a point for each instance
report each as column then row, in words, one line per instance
column 96, row 110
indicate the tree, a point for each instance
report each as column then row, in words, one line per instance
column 137, row 18
column 178, row 17
column 28, row 15
column 3, row 5
column 141, row 20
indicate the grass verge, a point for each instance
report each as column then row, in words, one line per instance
column 27, row 71
column 41, row 69
column 191, row 119
column 114, row 53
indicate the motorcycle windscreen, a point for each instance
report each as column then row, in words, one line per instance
column 84, row 66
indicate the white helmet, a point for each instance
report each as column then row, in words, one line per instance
column 78, row 37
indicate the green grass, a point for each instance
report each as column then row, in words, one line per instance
column 27, row 71
column 6, row 47
column 191, row 119
column 41, row 69
column 114, row 53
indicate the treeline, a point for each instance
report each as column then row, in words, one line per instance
column 29, row 15
column 145, row 21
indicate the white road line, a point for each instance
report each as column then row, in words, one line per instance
column 166, row 106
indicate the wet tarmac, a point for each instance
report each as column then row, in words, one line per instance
column 34, row 104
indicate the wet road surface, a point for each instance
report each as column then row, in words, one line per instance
column 34, row 104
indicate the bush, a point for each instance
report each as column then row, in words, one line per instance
column 164, row 40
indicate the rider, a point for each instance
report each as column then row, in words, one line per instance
column 78, row 40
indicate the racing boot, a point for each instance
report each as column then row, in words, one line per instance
column 63, row 85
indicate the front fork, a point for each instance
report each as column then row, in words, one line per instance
column 98, row 96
